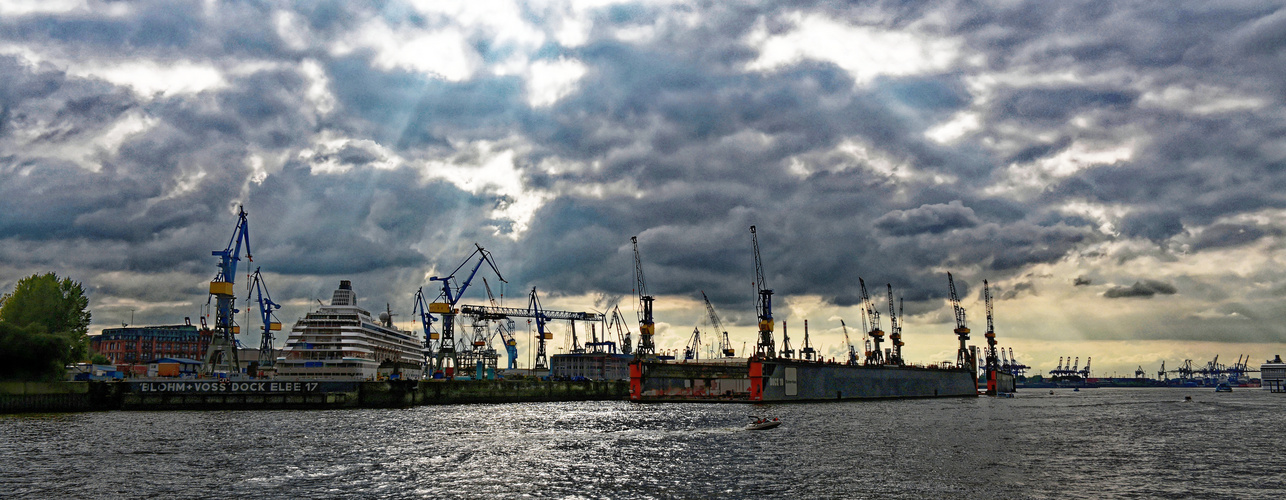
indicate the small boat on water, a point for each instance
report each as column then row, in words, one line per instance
column 1223, row 388
column 762, row 424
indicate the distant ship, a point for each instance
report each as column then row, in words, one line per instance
column 1272, row 375
column 343, row 341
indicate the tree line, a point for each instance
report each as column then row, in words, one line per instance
column 44, row 326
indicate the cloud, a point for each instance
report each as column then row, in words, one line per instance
column 1081, row 281
column 927, row 219
column 1145, row 289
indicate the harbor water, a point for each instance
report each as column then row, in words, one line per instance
column 1096, row 443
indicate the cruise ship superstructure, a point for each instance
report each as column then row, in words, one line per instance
column 343, row 341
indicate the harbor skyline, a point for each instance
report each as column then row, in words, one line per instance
column 1113, row 170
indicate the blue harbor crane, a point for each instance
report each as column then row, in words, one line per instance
column 542, row 336
column 763, row 308
column 270, row 322
column 451, row 293
column 421, row 311
column 504, row 329
column 875, row 356
column 725, row 346
column 963, row 358
column 647, row 326
column 222, row 353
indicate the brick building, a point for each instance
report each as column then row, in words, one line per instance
column 138, row 345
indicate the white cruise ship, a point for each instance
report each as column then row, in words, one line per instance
column 343, row 341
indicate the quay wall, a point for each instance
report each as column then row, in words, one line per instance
column 204, row 394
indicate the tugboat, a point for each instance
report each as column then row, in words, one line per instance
column 762, row 424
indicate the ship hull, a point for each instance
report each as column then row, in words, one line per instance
column 757, row 380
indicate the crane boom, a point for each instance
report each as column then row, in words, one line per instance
column 895, row 331
column 961, row 331
column 446, row 354
column 991, row 361
column 875, row 356
column 270, row 324
column 852, row 353
column 504, row 329
column 765, row 347
column 724, row 345
column 622, row 330
column 222, row 353
column 647, row 327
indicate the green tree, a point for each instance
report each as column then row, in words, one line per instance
column 44, row 325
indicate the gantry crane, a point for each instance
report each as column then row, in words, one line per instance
column 222, row 353
column 852, row 352
column 1161, row 375
column 451, row 293
column 895, row 331
column 725, row 346
column 874, row 356
column 535, row 311
column 765, row 347
column 270, row 323
column 647, row 327
column 962, row 330
column 1019, row 369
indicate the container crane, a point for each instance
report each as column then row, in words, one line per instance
column 852, row 352
column 222, row 352
column 895, row 331
column 1085, row 372
column 1161, row 373
column 874, row 356
column 270, row 323
column 725, row 346
column 765, row 347
column 962, row 330
column 452, row 293
column 1019, row 369
column 647, row 327
column 533, row 310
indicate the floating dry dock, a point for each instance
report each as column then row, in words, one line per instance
column 780, row 379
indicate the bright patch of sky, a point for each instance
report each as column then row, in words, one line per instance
column 866, row 52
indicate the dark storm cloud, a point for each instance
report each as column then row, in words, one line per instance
column 1145, row 288
column 927, row 219
column 1081, row 281
column 1227, row 235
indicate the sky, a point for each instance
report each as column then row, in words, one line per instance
column 1115, row 170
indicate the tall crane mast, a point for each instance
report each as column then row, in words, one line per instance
column 786, row 350
column 451, row 293
column 647, row 327
column 807, row 352
column 765, row 347
column 693, row 349
column 875, row 356
column 533, row 306
column 895, row 331
column 725, row 346
column 270, row 324
column 991, row 359
column 421, row 311
column 223, row 346
column 962, row 331
column 622, row 330
column 852, row 352
column 505, row 329
column 1161, row 373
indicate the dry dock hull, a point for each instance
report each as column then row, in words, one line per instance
column 785, row 380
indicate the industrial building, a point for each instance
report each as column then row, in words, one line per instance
column 139, row 345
